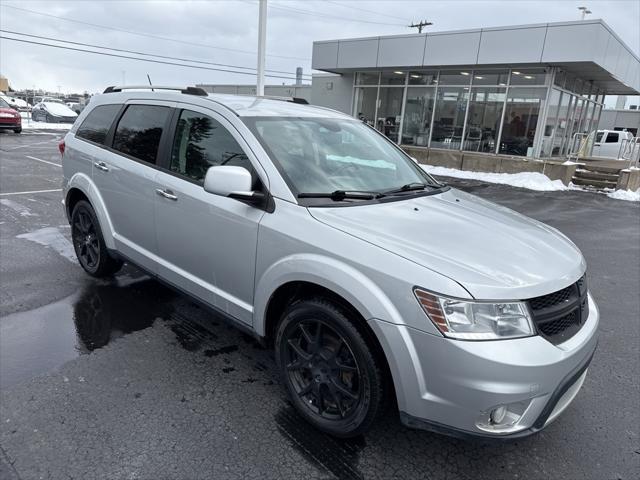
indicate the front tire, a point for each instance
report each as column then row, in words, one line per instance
column 88, row 242
column 330, row 372
column 17, row 130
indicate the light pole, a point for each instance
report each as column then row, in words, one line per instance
column 584, row 12
column 262, row 47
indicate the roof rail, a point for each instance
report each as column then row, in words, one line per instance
column 301, row 101
column 186, row 90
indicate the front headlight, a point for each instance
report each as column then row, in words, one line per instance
column 472, row 320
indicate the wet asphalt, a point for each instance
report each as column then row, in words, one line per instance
column 127, row 379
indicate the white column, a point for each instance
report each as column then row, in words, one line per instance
column 262, row 47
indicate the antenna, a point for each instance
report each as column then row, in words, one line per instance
column 149, row 78
column 420, row 25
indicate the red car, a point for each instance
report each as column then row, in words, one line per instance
column 9, row 118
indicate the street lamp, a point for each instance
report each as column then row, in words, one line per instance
column 584, row 12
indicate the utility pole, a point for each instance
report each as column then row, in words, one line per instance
column 262, row 47
column 420, row 25
column 585, row 11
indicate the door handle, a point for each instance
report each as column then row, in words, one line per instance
column 102, row 166
column 166, row 194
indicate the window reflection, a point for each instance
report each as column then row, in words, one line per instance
column 417, row 116
column 451, row 106
column 483, row 120
column 366, row 104
column 520, row 120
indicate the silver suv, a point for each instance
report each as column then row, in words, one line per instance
column 372, row 280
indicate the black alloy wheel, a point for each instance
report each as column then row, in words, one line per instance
column 328, row 368
column 89, row 244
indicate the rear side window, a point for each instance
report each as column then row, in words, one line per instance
column 139, row 131
column 96, row 126
column 611, row 138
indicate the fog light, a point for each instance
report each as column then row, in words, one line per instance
column 497, row 415
column 503, row 419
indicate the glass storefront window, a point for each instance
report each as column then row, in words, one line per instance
column 451, row 106
column 389, row 110
column 455, row 77
column 396, row 77
column 423, row 78
column 561, row 124
column 550, row 126
column 490, row 77
column 520, row 120
column 365, row 104
column 483, row 119
column 418, row 111
column 367, row 78
column 528, row 76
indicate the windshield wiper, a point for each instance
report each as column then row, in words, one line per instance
column 409, row 187
column 339, row 195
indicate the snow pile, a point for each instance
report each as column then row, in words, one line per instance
column 628, row 195
column 28, row 124
column 530, row 180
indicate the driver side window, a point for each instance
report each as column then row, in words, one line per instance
column 201, row 142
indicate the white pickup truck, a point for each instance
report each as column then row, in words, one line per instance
column 612, row 144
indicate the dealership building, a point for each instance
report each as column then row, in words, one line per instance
column 524, row 91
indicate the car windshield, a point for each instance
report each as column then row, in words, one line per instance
column 323, row 155
column 4, row 104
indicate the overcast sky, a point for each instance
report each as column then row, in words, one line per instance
column 225, row 32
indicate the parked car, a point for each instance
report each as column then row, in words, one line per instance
column 612, row 143
column 313, row 232
column 52, row 111
column 16, row 103
column 10, row 118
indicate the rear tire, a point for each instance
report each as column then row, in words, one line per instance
column 17, row 130
column 88, row 242
column 329, row 370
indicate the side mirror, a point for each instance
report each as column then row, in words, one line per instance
column 233, row 182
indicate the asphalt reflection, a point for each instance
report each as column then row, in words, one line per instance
column 38, row 341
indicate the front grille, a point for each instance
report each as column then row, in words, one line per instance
column 552, row 299
column 560, row 315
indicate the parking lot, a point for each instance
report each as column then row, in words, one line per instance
column 127, row 379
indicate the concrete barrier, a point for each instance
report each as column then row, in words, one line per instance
column 480, row 162
column 629, row 180
column 518, row 165
column 560, row 171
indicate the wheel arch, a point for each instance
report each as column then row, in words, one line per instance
column 81, row 187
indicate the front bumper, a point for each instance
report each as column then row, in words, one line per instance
column 11, row 124
column 447, row 385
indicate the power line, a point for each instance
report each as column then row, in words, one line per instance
column 140, row 53
column 333, row 17
column 139, row 59
column 149, row 35
column 360, row 9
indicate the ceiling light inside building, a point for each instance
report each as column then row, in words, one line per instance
column 528, row 77
column 479, row 77
column 416, row 76
column 464, row 73
column 516, row 73
column 398, row 73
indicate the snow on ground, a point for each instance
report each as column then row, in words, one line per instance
column 28, row 124
column 529, row 180
column 628, row 195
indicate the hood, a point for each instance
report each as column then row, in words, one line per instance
column 59, row 109
column 9, row 110
column 493, row 252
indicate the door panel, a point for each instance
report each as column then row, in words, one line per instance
column 207, row 243
column 126, row 179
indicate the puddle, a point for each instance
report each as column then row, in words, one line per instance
column 336, row 456
column 52, row 238
column 40, row 340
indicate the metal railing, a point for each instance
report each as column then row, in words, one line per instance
column 630, row 151
column 581, row 145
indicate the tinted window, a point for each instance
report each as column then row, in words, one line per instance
column 611, row 138
column 202, row 142
column 139, row 131
column 96, row 126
